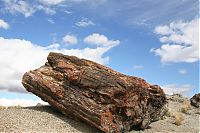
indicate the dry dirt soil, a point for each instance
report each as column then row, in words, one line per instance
column 180, row 118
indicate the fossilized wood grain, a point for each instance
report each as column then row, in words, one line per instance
column 98, row 95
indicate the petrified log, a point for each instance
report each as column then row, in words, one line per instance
column 98, row 95
column 195, row 100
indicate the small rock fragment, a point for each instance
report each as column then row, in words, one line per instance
column 195, row 100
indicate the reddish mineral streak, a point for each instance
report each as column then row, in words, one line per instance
column 87, row 91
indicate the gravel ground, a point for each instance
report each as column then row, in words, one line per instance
column 190, row 123
column 46, row 119
column 40, row 119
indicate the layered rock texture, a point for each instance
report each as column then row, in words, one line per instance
column 195, row 100
column 87, row 91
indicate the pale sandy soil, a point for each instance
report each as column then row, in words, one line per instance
column 46, row 119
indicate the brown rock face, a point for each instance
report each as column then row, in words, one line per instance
column 195, row 100
column 98, row 95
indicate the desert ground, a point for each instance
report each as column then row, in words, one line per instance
column 180, row 117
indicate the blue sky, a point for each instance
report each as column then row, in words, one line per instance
column 153, row 39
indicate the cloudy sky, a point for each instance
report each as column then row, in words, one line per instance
column 153, row 39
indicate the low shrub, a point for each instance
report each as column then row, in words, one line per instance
column 178, row 118
column 185, row 107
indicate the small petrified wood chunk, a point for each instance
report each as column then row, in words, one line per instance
column 87, row 91
column 195, row 100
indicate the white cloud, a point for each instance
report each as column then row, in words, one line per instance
column 180, row 42
column 20, row 102
column 20, row 6
column 26, row 8
column 68, row 12
column 84, row 22
column 51, row 2
column 50, row 7
column 70, row 40
column 100, row 40
column 183, row 71
column 181, row 89
column 50, row 21
column 163, row 30
column 46, row 9
column 19, row 56
column 138, row 67
column 4, row 24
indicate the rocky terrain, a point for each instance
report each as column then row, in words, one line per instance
column 180, row 117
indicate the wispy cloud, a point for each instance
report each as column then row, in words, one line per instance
column 135, row 67
column 4, row 24
column 51, row 2
column 84, row 22
column 136, row 12
column 48, row 10
column 28, row 8
column 180, row 42
column 50, row 7
column 148, row 13
column 68, row 12
column 70, row 40
column 51, row 21
column 19, row 6
column 174, row 88
column 182, row 71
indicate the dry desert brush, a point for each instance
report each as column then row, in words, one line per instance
column 178, row 118
column 185, row 107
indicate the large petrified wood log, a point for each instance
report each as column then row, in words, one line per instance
column 98, row 95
